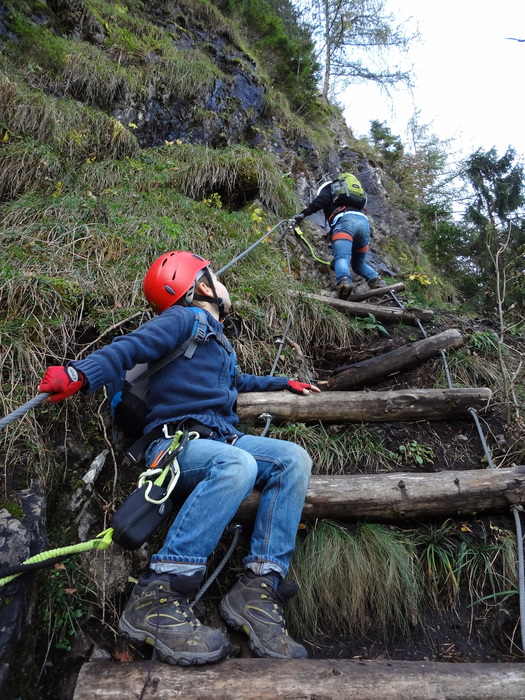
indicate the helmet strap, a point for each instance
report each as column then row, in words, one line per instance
column 215, row 299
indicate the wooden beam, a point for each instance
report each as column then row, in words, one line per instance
column 366, row 371
column 380, row 291
column 300, row 679
column 406, row 496
column 387, row 314
column 363, row 406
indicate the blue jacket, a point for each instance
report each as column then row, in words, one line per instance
column 203, row 387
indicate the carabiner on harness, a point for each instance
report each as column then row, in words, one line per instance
column 166, row 463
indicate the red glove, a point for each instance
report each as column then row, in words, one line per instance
column 300, row 387
column 61, row 382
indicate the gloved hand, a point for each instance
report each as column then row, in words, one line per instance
column 61, row 382
column 300, row 387
column 298, row 218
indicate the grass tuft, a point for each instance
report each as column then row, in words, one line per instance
column 237, row 174
column 349, row 449
column 354, row 580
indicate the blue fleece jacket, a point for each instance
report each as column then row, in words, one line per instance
column 201, row 387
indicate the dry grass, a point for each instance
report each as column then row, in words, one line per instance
column 354, row 580
column 73, row 131
column 351, row 449
column 25, row 166
column 236, row 174
column 28, row 113
column 88, row 75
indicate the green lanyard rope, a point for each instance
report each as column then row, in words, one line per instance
column 166, row 465
column 302, row 237
column 38, row 561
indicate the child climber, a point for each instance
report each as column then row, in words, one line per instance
column 218, row 471
column 343, row 202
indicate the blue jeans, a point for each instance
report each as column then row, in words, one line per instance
column 218, row 477
column 350, row 243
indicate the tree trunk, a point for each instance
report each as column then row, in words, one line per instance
column 362, row 373
column 397, row 287
column 327, row 51
column 405, row 496
column 362, row 406
column 300, row 679
column 388, row 314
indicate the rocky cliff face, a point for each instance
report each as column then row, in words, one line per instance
column 233, row 108
column 209, row 91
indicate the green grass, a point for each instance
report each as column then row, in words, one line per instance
column 76, row 133
column 423, row 286
column 354, row 580
column 482, row 563
column 237, row 174
column 373, row 578
column 352, row 449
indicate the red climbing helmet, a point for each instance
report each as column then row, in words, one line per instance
column 171, row 279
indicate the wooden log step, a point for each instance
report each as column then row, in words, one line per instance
column 406, row 496
column 363, row 406
column 302, row 679
column 386, row 314
column 380, row 291
column 366, row 371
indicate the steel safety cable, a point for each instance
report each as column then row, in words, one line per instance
column 471, row 410
column 237, row 530
column 250, row 248
column 19, row 412
column 521, row 571
column 281, row 342
column 486, row 450
column 514, row 508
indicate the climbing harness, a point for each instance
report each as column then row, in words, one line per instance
column 133, row 522
column 137, row 518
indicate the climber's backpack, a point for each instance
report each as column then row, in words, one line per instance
column 128, row 404
column 347, row 191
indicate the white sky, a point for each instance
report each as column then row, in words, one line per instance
column 468, row 76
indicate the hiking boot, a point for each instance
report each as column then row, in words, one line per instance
column 343, row 288
column 159, row 613
column 255, row 606
column 376, row 283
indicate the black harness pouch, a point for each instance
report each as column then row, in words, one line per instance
column 136, row 519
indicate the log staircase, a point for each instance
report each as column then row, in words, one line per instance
column 379, row 497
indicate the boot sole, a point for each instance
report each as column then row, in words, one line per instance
column 239, row 623
column 167, row 655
